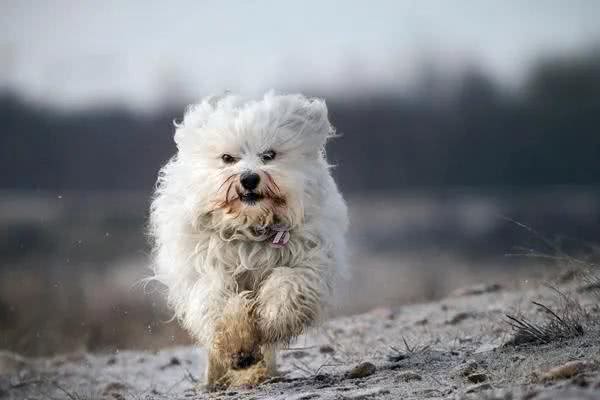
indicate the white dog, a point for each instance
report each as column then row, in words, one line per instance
column 248, row 228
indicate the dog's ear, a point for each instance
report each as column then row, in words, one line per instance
column 196, row 116
column 306, row 116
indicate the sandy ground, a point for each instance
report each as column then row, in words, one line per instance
column 450, row 349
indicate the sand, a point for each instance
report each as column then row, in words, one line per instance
column 449, row 349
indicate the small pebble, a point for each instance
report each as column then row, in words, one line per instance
column 485, row 348
column 478, row 388
column 298, row 354
column 477, row 377
column 530, row 395
column 566, row 370
column 397, row 356
column 383, row 312
column 426, row 393
column 469, row 367
column 306, row 396
column 326, row 349
column 172, row 362
column 408, row 376
column 460, row 317
column 581, row 381
column 477, row 290
column 362, row 370
column 114, row 387
column 322, row 378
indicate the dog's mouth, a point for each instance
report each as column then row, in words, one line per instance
column 251, row 198
column 235, row 195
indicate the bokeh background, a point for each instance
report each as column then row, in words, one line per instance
column 460, row 122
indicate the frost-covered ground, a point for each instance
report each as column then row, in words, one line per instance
column 452, row 348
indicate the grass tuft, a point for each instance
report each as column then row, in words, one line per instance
column 565, row 323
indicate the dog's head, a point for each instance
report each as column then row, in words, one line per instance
column 249, row 164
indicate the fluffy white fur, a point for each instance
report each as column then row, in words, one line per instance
column 211, row 250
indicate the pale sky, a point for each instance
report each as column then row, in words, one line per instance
column 78, row 53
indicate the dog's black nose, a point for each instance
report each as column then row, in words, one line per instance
column 249, row 180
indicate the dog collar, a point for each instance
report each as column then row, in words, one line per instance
column 281, row 235
column 278, row 235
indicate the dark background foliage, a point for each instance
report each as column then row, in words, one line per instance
column 476, row 133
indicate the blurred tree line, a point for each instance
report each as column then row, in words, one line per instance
column 470, row 132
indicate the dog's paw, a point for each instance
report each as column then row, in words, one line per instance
column 243, row 360
column 237, row 339
column 239, row 354
column 247, row 377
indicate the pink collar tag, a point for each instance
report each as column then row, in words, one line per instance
column 281, row 237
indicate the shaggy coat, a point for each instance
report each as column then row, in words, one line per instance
column 233, row 290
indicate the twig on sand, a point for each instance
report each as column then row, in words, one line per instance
column 325, row 365
column 25, row 383
column 71, row 396
column 298, row 348
column 188, row 375
column 302, row 366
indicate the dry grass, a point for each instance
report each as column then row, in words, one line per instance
column 591, row 285
column 570, row 318
column 565, row 323
column 399, row 355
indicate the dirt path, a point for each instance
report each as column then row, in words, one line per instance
column 441, row 350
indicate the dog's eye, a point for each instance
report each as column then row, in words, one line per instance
column 228, row 159
column 268, row 155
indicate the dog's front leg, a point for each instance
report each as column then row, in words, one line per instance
column 236, row 341
column 236, row 356
column 289, row 301
column 224, row 322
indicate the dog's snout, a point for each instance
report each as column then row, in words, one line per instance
column 249, row 180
